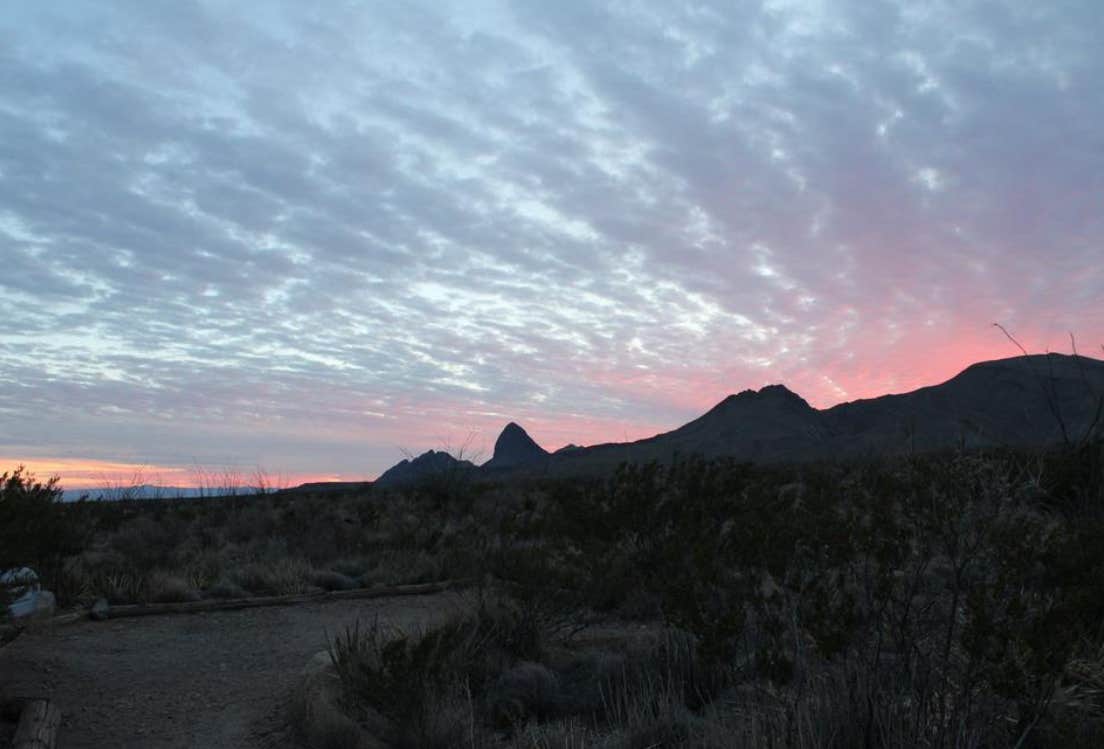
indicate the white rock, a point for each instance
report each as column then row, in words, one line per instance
column 19, row 576
column 101, row 610
column 45, row 605
column 23, row 586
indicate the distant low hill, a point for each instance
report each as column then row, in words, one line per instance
column 140, row 491
column 430, row 464
column 1018, row 402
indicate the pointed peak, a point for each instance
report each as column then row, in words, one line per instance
column 515, row 447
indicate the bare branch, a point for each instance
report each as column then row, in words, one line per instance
column 1047, row 384
column 1009, row 337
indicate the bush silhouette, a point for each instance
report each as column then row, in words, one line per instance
column 36, row 529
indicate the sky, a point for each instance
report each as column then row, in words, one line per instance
column 314, row 237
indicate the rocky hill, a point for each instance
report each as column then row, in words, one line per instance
column 429, row 465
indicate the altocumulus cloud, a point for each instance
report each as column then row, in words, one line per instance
column 269, row 232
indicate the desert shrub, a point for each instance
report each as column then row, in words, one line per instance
column 249, row 522
column 524, row 691
column 414, row 679
column 452, row 485
column 366, row 508
column 404, row 677
column 148, row 541
column 37, row 529
column 28, row 515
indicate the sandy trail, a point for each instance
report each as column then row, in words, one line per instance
column 220, row 679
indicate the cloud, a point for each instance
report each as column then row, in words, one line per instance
column 313, row 234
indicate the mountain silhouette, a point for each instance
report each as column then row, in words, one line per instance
column 1019, row 402
column 430, row 464
column 1025, row 401
column 514, row 447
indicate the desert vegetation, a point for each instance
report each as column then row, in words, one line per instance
column 949, row 600
column 940, row 600
column 35, row 528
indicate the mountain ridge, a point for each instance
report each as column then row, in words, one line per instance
column 1019, row 401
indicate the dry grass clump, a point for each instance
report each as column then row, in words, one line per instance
column 121, row 587
column 276, row 578
column 560, row 734
column 166, row 588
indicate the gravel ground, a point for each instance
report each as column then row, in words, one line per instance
column 220, row 679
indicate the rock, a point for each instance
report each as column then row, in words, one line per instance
column 333, row 580
column 101, row 611
column 24, row 589
column 19, row 577
column 45, row 605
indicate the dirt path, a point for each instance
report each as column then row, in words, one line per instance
column 221, row 679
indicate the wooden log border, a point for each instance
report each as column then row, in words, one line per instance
column 195, row 607
column 38, row 726
column 8, row 633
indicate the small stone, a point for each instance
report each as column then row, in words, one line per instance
column 100, row 610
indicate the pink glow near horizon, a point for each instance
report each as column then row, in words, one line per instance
column 455, row 427
column 77, row 474
column 922, row 359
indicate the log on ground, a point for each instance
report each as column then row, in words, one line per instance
column 38, row 726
